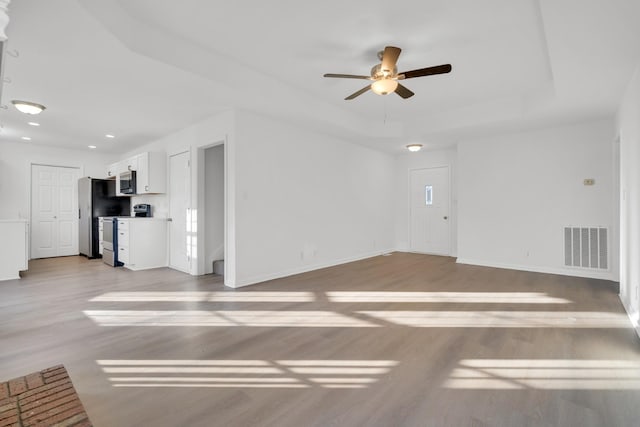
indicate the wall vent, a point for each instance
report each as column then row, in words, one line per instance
column 586, row 247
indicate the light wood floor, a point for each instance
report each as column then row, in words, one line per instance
column 403, row 340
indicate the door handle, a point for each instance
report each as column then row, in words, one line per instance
column 169, row 219
column 446, row 217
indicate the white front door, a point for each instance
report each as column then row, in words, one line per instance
column 54, row 211
column 429, row 229
column 182, row 237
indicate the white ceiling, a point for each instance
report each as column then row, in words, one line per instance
column 140, row 69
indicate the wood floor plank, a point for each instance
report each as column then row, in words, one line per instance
column 376, row 342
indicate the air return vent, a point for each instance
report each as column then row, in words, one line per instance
column 586, row 247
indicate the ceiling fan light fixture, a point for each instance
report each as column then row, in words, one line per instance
column 28, row 107
column 414, row 147
column 384, row 86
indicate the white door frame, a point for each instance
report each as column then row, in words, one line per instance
column 448, row 166
column 189, row 203
column 29, row 189
column 201, row 208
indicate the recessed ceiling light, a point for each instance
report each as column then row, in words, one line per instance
column 414, row 147
column 26, row 138
column 33, row 124
column 28, row 107
column 92, row 146
column 109, row 136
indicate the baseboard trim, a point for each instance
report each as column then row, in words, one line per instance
column 305, row 269
column 607, row 275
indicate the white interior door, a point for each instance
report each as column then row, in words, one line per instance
column 181, row 235
column 54, row 211
column 429, row 211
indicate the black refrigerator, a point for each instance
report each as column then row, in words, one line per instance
column 96, row 198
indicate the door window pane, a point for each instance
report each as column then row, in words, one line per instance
column 428, row 195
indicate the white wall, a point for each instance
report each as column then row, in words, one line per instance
column 305, row 200
column 15, row 171
column 422, row 160
column 629, row 132
column 294, row 200
column 516, row 193
column 214, row 205
column 193, row 139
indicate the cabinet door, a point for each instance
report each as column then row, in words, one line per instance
column 142, row 174
column 130, row 164
column 151, row 173
column 112, row 170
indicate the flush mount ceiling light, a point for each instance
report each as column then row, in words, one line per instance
column 414, row 147
column 28, row 107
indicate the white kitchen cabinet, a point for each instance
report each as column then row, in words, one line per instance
column 112, row 170
column 130, row 164
column 100, row 235
column 14, row 251
column 151, row 173
column 142, row 242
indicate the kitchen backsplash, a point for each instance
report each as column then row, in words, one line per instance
column 158, row 202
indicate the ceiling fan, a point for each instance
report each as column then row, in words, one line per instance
column 385, row 75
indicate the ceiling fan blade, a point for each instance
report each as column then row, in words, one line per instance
column 347, row 76
column 404, row 92
column 438, row 69
column 390, row 57
column 358, row 93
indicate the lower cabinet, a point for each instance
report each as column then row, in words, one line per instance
column 142, row 242
column 101, row 236
column 14, row 251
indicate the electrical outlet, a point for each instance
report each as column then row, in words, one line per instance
column 589, row 181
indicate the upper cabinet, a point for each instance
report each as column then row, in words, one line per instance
column 151, row 173
column 148, row 169
column 112, row 170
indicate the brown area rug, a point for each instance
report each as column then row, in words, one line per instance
column 45, row 398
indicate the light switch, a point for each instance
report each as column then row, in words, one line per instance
column 589, row 181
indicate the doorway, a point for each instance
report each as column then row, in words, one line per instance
column 54, row 211
column 214, row 209
column 181, row 230
column 429, row 207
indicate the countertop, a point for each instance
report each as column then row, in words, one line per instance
column 137, row 218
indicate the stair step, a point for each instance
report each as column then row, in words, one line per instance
column 218, row 267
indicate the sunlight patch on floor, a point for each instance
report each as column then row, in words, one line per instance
column 226, row 318
column 501, row 319
column 193, row 296
column 547, row 374
column 246, row 373
column 447, row 297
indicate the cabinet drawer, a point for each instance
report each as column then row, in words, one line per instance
column 123, row 224
column 123, row 237
column 123, row 254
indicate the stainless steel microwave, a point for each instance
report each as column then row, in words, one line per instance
column 127, row 182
